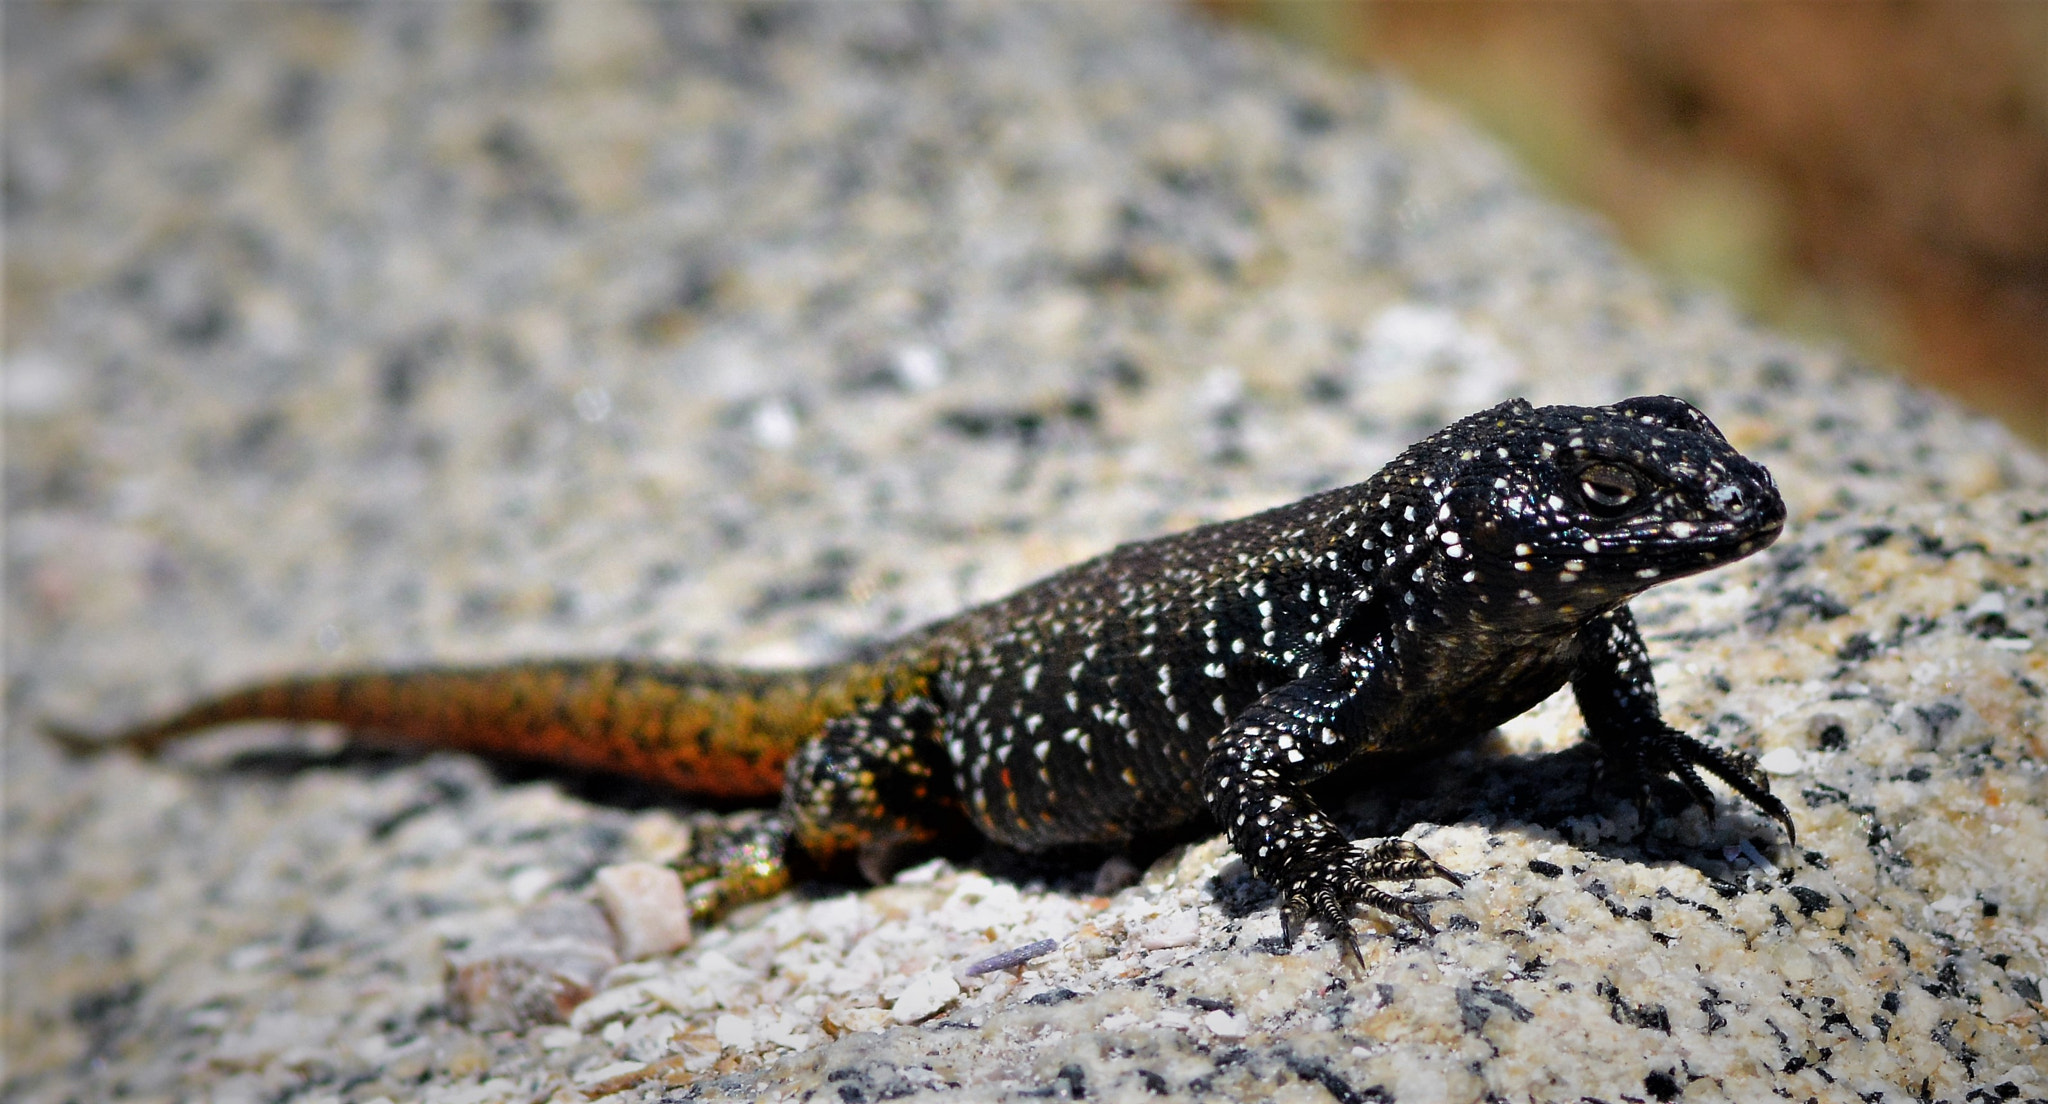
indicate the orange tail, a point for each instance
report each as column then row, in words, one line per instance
column 709, row 731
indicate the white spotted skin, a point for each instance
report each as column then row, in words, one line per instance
column 1219, row 671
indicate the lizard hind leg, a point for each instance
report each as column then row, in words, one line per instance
column 874, row 790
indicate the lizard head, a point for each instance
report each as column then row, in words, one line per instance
column 1559, row 513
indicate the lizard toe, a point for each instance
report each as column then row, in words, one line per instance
column 1393, row 860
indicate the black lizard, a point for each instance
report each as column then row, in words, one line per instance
column 1214, row 673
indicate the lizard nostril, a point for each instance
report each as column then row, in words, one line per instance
column 1731, row 500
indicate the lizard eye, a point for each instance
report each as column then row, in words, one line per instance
column 1609, row 490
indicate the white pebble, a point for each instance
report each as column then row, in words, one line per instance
column 924, row 873
column 1230, row 1025
column 734, row 1032
column 610, row 1005
column 1782, row 760
column 1175, row 929
column 527, row 883
column 645, row 902
column 558, row 1038
column 925, row 995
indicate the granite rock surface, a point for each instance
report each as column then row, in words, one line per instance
column 360, row 335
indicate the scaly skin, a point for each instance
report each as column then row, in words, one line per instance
column 710, row 731
column 1212, row 674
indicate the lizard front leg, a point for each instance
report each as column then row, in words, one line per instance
column 1618, row 697
column 1255, row 783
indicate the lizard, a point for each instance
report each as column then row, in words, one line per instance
column 1205, row 678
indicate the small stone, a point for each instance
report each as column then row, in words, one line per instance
column 787, row 1030
column 1226, row 1024
column 558, row 1038
column 1175, row 929
column 924, row 873
column 734, row 1032
column 658, row 836
column 645, row 903
column 611, row 1005
column 924, row 996
column 535, row 971
column 526, row 884
column 858, row 1019
column 1781, row 761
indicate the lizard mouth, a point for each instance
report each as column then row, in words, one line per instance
column 1727, row 540
column 1736, row 519
column 1674, row 548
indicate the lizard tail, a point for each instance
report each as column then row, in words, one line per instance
column 710, row 731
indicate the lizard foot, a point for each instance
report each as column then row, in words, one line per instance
column 733, row 861
column 1331, row 886
column 1672, row 753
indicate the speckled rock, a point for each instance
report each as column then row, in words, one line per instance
column 341, row 335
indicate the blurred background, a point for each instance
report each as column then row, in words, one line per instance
column 1873, row 173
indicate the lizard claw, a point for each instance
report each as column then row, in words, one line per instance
column 1331, row 887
